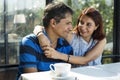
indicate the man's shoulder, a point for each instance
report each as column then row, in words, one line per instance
column 30, row 37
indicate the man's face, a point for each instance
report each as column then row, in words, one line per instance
column 64, row 26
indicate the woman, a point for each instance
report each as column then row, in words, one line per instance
column 87, row 39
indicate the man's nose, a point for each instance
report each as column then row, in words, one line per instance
column 70, row 27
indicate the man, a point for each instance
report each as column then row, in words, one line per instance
column 57, row 21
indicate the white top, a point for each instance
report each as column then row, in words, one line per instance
column 80, row 47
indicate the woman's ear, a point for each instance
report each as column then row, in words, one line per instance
column 96, row 27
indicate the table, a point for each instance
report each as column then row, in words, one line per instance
column 100, row 72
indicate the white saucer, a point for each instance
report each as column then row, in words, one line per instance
column 68, row 77
column 59, row 78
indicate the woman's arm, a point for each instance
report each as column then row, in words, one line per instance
column 91, row 55
column 38, row 31
column 43, row 40
column 95, row 52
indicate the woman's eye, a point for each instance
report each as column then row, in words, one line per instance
column 81, row 23
column 89, row 24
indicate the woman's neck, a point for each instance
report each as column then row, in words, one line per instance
column 87, row 39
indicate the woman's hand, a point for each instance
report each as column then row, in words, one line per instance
column 37, row 29
column 51, row 52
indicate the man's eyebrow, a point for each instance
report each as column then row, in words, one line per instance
column 69, row 22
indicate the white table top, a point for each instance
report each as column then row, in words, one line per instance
column 100, row 72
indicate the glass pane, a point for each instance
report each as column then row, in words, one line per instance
column 2, row 48
column 20, row 18
column 106, row 8
column 23, row 21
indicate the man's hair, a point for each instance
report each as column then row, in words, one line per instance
column 56, row 11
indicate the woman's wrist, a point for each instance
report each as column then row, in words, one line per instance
column 63, row 57
column 39, row 33
column 68, row 58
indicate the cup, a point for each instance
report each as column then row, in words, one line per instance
column 60, row 69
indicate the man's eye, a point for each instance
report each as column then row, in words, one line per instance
column 69, row 23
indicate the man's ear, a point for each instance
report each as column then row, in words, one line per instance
column 52, row 22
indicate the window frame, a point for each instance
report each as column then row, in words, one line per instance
column 116, row 34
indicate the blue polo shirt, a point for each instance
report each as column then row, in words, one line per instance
column 31, row 54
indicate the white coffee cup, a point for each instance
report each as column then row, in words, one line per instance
column 60, row 69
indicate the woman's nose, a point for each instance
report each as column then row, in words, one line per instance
column 83, row 27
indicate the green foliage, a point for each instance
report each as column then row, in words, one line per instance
column 107, row 60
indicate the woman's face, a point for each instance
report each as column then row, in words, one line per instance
column 86, row 27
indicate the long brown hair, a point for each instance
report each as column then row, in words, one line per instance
column 98, row 34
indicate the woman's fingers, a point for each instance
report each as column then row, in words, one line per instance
column 51, row 52
column 46, row 47
column 48, row 54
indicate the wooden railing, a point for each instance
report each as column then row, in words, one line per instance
column 8, row 72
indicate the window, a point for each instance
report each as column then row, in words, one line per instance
column 17, row 19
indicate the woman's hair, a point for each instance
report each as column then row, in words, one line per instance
column 98, row 34
column 56, row 10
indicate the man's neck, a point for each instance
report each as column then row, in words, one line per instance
column 52, row 37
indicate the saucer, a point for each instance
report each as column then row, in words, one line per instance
column 61, row 78
column 68, row 77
